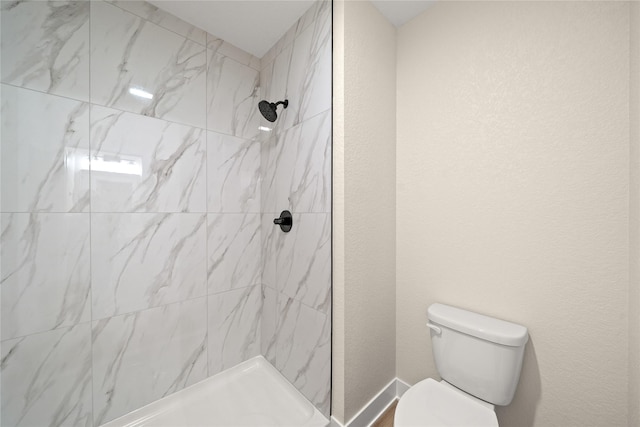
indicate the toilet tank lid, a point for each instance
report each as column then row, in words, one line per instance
column 478, row 325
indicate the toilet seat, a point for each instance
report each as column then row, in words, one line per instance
column 433, row 404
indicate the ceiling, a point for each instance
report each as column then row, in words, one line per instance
column 399, row 12
column 256, row 25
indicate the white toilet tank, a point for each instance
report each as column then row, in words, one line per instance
column 478, row 354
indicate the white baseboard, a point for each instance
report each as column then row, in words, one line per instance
column 401, row 387
column 377, row 405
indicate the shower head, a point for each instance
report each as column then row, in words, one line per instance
column 268, row 109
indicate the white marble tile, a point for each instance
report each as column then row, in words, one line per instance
column 234, row 251
column 272, row 238
column 44, row 166
column 273, row 78
column 304, row 261
column 269, row 324
column 142, row 164
column 45, row 46
column 164, row 19
column 309, row 79
column 269, row 160
column 233, row 174
column 46, row 378
column 146, row 260
column 130, row 55
column 219, row 46
column 234, row 327
column 285, row 41
column 303, row 353
column 303, row 167
column 142, row 357
column 45, row 272
column 232, row 97
column 318, row 12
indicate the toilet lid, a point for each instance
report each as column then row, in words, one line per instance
column 430, row 404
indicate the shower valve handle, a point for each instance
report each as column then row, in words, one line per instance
column 285, row 221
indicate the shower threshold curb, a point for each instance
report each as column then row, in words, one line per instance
column 250, row 394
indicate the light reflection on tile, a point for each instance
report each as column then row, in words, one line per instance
column 129, row 52
column 172, row 157
column 39, row 171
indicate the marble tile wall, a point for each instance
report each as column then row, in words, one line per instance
column 296, row 175
column 130, row 209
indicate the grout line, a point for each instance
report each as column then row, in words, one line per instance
column 93, row 417
column 137, row 114
column 146, row 213
column 58, row 328
column 48, row 93
column 162, row 26
column 206, row 195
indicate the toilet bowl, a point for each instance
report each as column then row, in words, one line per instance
column 479, row 359
column 430, row 403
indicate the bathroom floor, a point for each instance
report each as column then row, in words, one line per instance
column 250, row 394
column 386, row 419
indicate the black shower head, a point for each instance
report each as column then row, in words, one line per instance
column 268, row 109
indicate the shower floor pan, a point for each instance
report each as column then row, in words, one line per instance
column 250, row 394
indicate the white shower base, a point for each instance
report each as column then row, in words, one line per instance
column 250, row 394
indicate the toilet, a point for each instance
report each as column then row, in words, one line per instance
column 479, row 359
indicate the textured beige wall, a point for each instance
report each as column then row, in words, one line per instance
column 634, row 223
column 513, row 190
column 364, row 171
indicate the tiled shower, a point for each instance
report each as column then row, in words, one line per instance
column 138, row 253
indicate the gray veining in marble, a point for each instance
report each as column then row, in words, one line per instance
column 234, row 251
column 303, row 353
column 269, row 324
column 301, row 71
column 304, row 261
column 233, row 174
column 272, row 239
column 232, row 97
column 303, row 168
column 234, row 327
column 219, row 46
column 45, row 279
column 142, row 357
column 129, row 53
column 146, row 260
column 168, row 162
column 166, row 20
column 45, row 46
column 44, row 167
column 296, row 175
column 318, row 10
column 46, row 378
